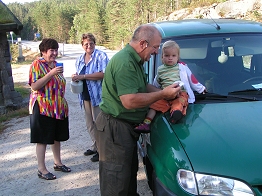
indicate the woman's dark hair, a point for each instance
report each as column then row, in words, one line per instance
column 88, row 36
column 48, row 43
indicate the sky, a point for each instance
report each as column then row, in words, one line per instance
column 18, row 1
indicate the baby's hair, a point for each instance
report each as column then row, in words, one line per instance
column 170, row 44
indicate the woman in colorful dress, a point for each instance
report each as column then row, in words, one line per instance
column 48, row 107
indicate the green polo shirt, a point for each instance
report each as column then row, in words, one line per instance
column 124, row 74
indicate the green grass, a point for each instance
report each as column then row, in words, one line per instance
column 22, row 88
column 22, row 112
column 24, row 91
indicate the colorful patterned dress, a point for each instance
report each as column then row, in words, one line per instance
column 51, row 96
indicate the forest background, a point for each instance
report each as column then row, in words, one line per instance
column 111, row 21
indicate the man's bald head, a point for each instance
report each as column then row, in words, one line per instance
column 145, row 32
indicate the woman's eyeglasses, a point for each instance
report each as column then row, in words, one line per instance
column 89, row 44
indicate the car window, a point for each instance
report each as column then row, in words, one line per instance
column 223, row 62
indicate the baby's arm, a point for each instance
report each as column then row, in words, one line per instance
column 194, row 83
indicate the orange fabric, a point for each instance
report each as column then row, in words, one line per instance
column 160, row 105
column 179, row 103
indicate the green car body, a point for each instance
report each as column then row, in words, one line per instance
column 218, row 143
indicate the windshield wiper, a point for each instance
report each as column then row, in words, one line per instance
column 258, row 91
column 214, row 96
column 248, row 94
column 248, row 98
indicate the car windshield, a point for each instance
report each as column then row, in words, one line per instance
column 227, row 64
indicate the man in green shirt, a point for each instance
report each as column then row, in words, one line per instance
column 125, row 100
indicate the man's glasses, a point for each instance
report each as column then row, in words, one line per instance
column 155, row 47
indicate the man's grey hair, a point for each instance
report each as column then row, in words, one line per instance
column 145, row 32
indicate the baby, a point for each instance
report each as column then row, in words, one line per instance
column 170, row 72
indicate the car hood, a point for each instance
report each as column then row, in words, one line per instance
column 224, row 139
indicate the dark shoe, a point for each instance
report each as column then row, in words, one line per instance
column 142, row 128
column 95, row 158
column 48, row 176
column 175, row 116
column 89, row 152
column 62, row 168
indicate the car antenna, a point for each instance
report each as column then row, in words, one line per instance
column 217, row 26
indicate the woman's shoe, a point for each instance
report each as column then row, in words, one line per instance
column 48, row 176
column 62, row 168
column 89, row 152
column 95, row 158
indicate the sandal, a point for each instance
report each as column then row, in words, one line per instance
column 48, row 176
column 62, row 168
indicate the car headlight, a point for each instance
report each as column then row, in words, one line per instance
column 202, row 184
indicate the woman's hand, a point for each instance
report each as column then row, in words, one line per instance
column 76, row 77
column 42, row 81
column 57, row 70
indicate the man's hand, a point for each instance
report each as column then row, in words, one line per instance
column 139, row 100
column 171, row 91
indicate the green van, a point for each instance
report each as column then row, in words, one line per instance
column 216, row 149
